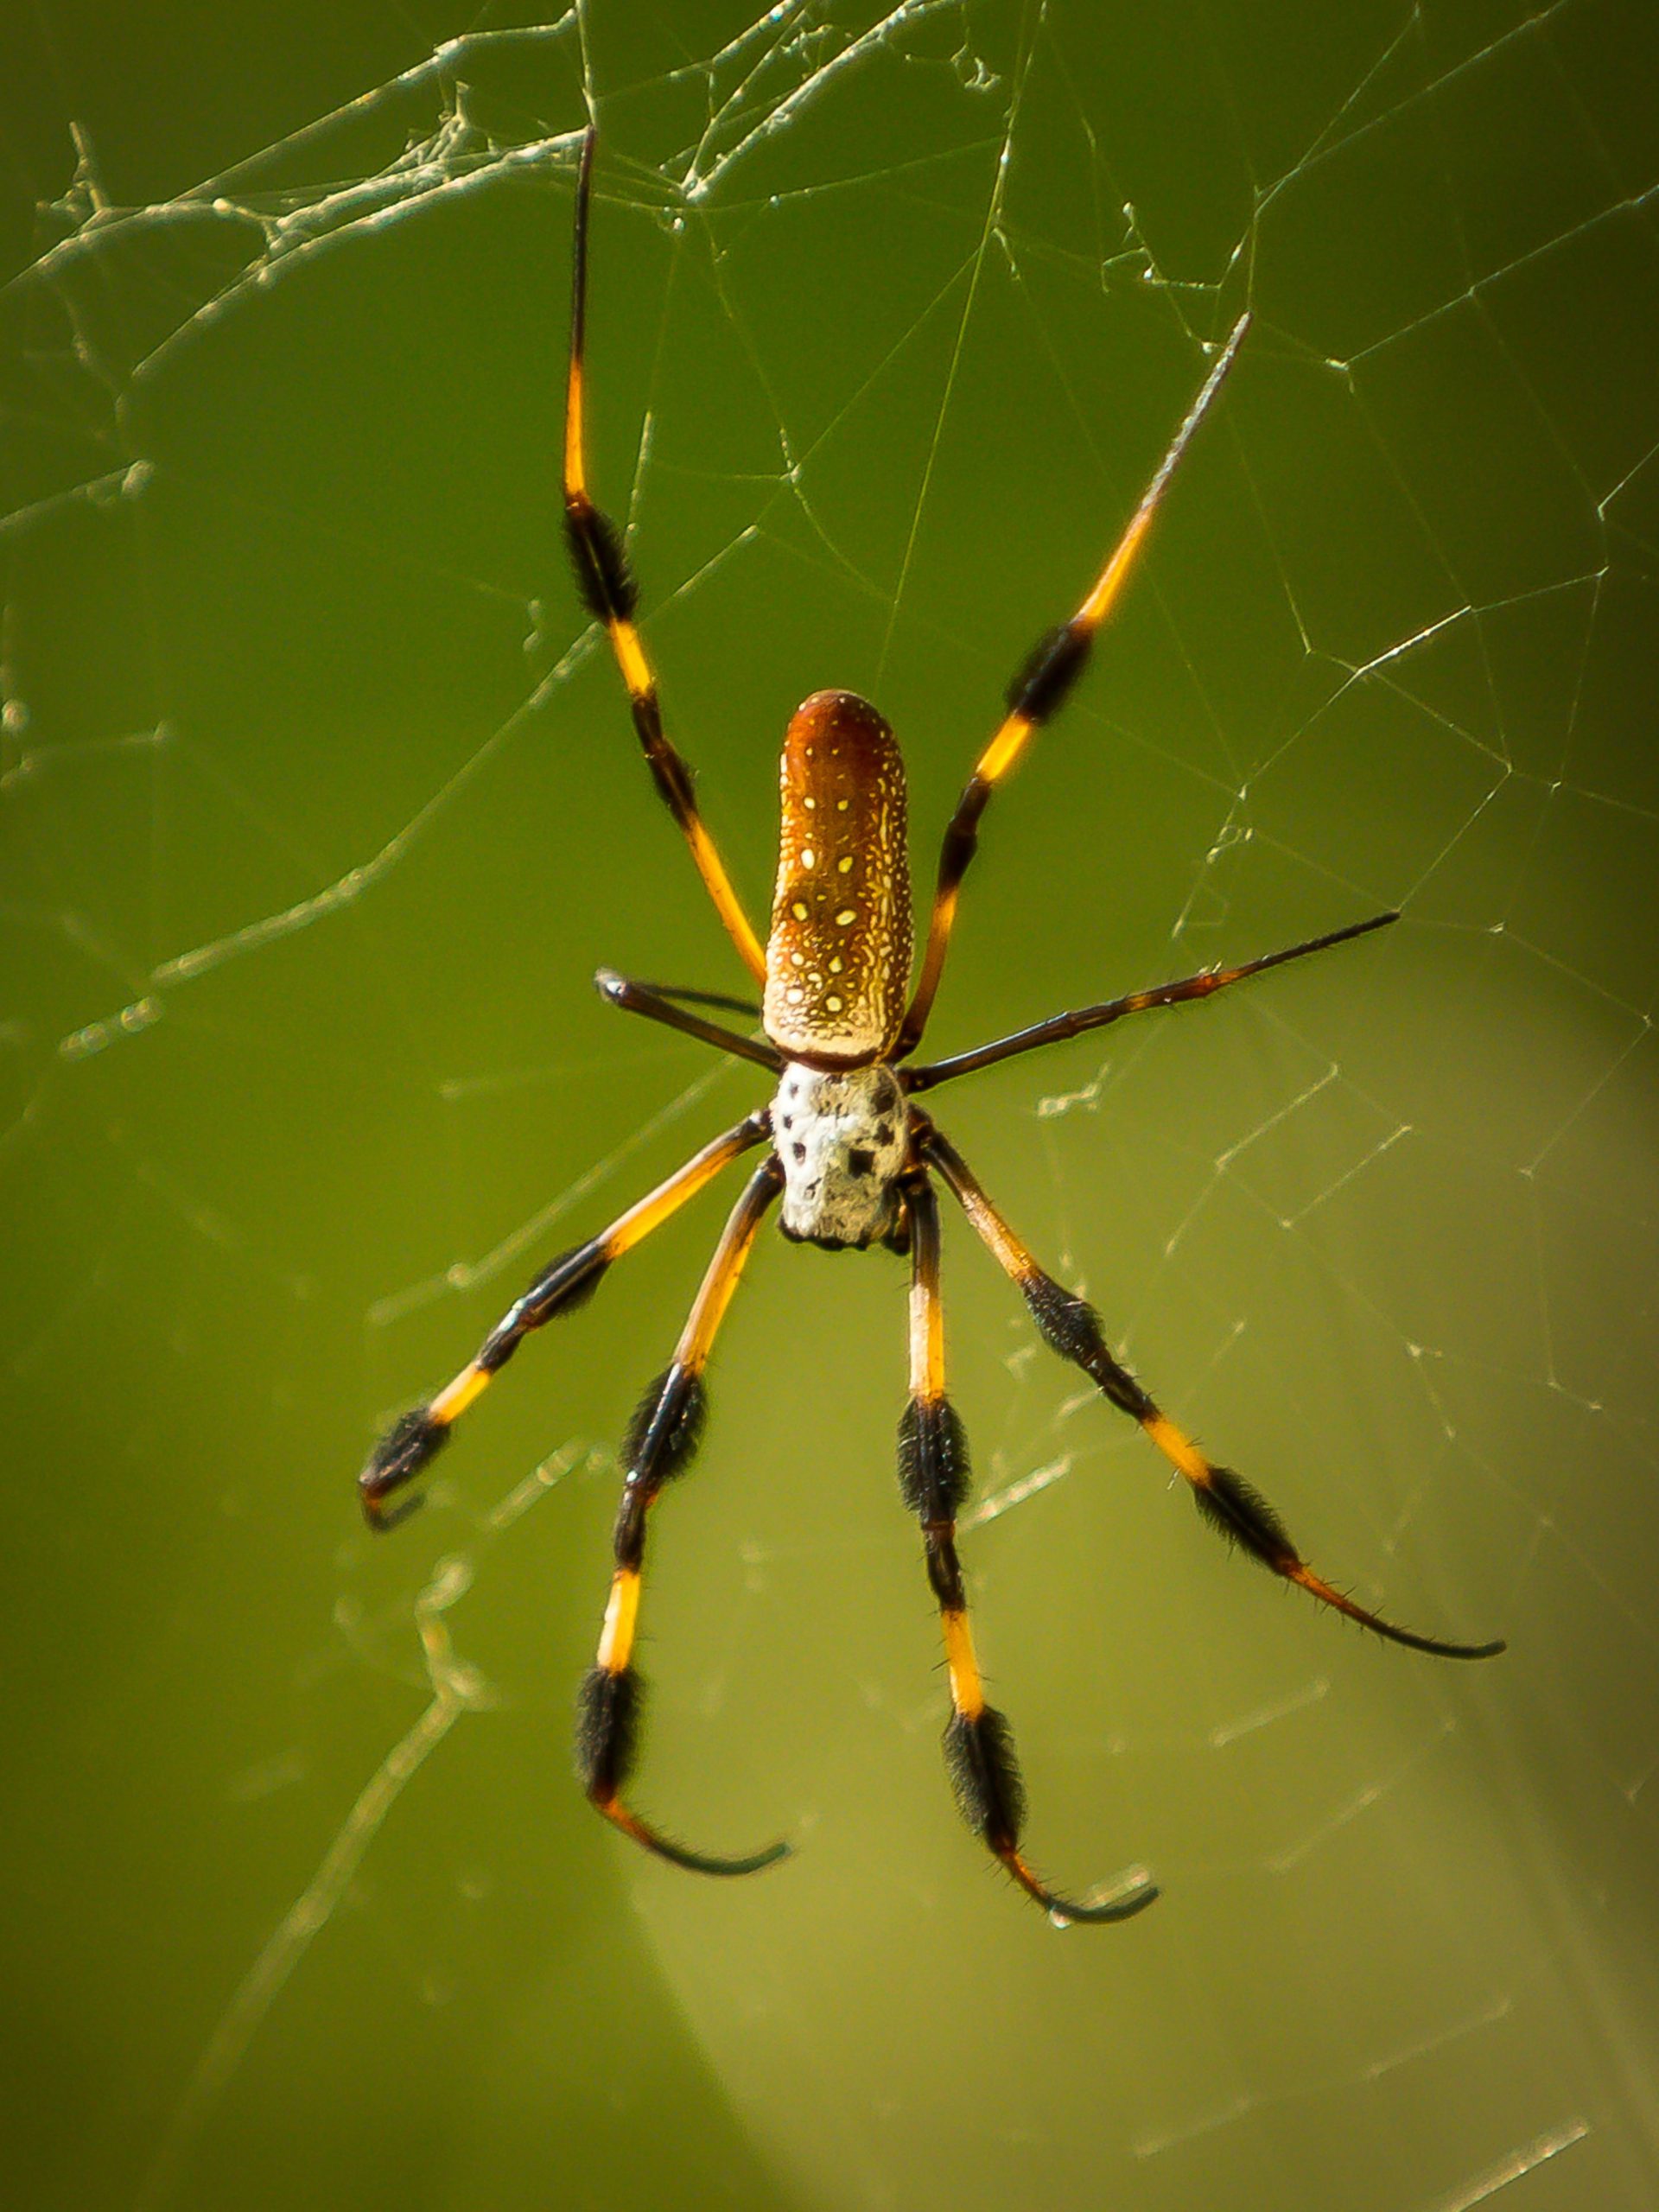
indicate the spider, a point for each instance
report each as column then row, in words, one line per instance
column 848, row 1151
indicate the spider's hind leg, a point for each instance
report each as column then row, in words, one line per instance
column 662, row 1440
column 1071, row 1326
column 897, row 1238
column 933, row 1478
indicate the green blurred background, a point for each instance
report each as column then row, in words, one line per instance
column 318, row 813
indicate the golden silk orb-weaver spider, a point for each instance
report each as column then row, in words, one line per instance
column 849, row 1152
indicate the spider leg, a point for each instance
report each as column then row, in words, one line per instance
column 566, row 1283
column 1038, row 693
column 683, row 995
column 652, row 1000
column 933, row 1477
column 661, row 1441
column 611, row 595
column 1061, row 1026
column 1071, row 1326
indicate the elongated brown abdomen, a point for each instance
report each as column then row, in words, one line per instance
column 838, row 957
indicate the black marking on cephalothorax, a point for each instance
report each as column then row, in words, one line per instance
column 847, row 1153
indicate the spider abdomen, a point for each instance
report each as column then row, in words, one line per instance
column 838, row 957
column 842, row 1138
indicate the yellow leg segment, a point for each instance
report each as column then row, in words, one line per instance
column 967, row 1691
column 411, row 1442
column 610, row 594
column 621, row 1619
column 1037, row 694
column 662, row 1439
column 933, row 1478
column 1071, row 1328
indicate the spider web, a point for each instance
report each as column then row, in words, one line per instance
column 320, row 805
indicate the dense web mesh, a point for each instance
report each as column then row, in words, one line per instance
column 319, row 803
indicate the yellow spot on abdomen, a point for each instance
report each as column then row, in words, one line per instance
column 840, row 754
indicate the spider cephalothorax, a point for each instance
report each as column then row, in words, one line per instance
column 852, row 1160
column 843, row 1139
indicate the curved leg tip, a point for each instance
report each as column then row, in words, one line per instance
column 1474, row 1650
column 383, row 1518
column 1437, row 1647
column 701, row 1864
column 694, row 1862
column 410, row 1444
column 1124, row 1902
column 1299, row 1571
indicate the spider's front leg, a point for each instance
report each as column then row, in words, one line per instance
column 933, row 1477
column 662, row 1440
column 1071, row 1327
column 1036, row 697
column 610, row 594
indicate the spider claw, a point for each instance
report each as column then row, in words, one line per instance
column 409, row 1445
column 979, row 1756
column 1064, row 1911
column 382, row 1518
column 694, row 1862
column 1438, row 1647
